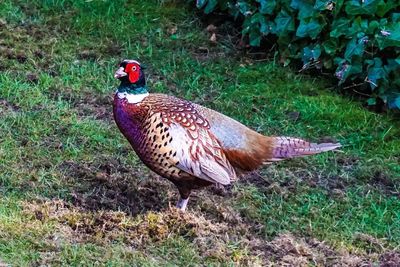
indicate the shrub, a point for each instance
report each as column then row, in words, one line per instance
column 358, row 40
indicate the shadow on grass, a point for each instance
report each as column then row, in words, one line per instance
column 107, row 184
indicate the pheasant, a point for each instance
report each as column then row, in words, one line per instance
column 191, row 145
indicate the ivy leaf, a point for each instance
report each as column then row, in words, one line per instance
column 252, row 26
column 375, row 73
column 268, row 27
column 396, row 17
column 200, row 3
column 390, row 36
column 394, row 101
column 312, row 28
column 384, row 7
column 383, row 22
column 328, row 64
column 371, row 101
column 354, row 26
column 257, row 18
column 338, row 7
column 267, row 6
column 247, row 25
column 345, row 69
column 322, row 4
column 305, row 8
column 355, row 48
column 284, row 22
column 360, row 7
column 310, row 54
column 392, row 65
column 211, row 4
column 260, row 22
column 255, row 37
column 358, row 25
column 244, row 7
column 340, row 26
column 330, row 46
column 372, row 26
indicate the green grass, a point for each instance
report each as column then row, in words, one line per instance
column 58, row 143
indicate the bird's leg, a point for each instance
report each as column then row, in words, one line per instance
column 182, row 203
column 184, row 193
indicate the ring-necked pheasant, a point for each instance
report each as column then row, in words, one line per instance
column 191, row 145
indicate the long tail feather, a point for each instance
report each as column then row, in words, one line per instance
column 288, row 147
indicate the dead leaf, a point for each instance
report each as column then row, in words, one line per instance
column 213, row 38
column 211, row 28
column 293, row 115
column 173, row 30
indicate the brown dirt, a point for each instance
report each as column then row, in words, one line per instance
column 269, row 178
column 256, row 179
column 390, row 259
column 385, row 183
column 113, row 49
column 32, row 78
column 288, row 250
column 347, row 162
column 293, row 115
column 370, row 243
column 205, row 54
column 266, row 180
column 86, row 105
column 99, row 107
column 6, row 106
column 211, row 237
column 20, row 44
column 53, row 141
column 109, row 184
column 111, row 202
column 88, row 55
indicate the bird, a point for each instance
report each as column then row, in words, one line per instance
column 191, row 145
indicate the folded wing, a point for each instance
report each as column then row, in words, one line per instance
column 201, row 156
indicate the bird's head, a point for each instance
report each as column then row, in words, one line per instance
column 130, row 72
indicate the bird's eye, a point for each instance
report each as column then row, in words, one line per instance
column 134, row 68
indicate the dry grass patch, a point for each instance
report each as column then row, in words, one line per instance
column 217, row 240
column 213, row 238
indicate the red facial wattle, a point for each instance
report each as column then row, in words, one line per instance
column 133, row 71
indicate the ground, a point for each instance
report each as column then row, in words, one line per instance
column 74, row 193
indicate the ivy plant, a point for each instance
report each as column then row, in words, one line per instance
column 358, row 41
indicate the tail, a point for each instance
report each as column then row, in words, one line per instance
column 288, row 147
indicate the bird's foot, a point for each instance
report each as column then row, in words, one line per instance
column 182, row 203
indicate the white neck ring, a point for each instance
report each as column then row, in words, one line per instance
column 132, row 98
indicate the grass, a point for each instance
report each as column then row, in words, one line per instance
column 73, row 193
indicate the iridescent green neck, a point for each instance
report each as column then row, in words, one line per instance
column 132, row 89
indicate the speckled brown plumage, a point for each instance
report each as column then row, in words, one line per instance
column 153, row 118
column 189, row 144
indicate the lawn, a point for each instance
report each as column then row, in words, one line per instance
column 73, row 193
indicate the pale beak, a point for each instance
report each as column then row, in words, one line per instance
column 120, row 73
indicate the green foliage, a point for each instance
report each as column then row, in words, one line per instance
column 60, row 146
column 357, row 40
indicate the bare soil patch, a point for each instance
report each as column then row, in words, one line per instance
column 288, row 250
column 267, row 178
column 211, row 238
column 387, row 185
column 86, row 105
column 6, row 107
column 108, row 184
column 390, row 259
column 99, row 107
